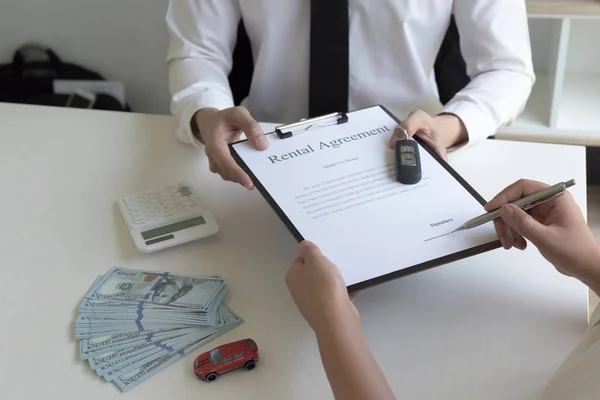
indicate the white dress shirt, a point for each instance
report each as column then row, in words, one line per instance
column 393, row 47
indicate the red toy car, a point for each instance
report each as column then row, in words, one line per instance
column 226, row 358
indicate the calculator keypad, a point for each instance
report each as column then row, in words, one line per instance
column 173, row 202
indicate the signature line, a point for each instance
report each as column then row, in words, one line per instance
column 445, row 234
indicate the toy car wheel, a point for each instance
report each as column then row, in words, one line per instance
column 250, row 365
column 211, row 377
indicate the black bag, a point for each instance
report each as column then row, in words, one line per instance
column 29, row 79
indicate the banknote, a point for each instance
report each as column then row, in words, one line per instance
column 130, row 358
column 124, row 361
column 135, row 362
column 115, row 356
column 94, row 325
column 89, row 323
column 125, row 366
column 103, row 362
column 133, row 378
column 84, row 322
column 103, row 344
column 99, row 306
column 92, row 332
column 159, row 288
column 133, row 324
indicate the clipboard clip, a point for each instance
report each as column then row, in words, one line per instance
column 287, row 131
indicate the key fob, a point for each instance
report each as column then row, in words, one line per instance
column 408, row 162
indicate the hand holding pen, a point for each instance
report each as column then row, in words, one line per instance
column 531, row 200
column 556, row 227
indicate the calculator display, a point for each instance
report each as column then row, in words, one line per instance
column 179, row 226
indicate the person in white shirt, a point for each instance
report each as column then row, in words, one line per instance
column 557, row 229
column 392, row 47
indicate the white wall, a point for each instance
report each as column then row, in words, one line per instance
column 540, row 32
column 584, row 50
column 124, row 40
column 582, row 55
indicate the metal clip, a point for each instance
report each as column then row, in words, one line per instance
column 287, row 131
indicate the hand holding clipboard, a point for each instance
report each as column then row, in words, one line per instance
column 216, row 129
column 333, row 182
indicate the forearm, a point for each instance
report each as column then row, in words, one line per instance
column 494, row 42
column 589, row 273
column 452, row 129
column 585, row 266
column 199, row 115
column 491, row 100
column 351, row 369
column 202, row 37
column 593, row 283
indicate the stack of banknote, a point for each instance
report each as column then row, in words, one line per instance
column 133, row 324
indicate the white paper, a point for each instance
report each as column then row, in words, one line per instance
column 337, row 186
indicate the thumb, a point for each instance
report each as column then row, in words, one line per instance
column 242, row 119
column 308, row 251
column 523, row 223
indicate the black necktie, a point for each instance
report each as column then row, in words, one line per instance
column 329, row 50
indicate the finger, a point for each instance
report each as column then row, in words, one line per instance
column 435, row 146
column 399, row 134
column 518, row 240
column 523, row 223
column 214, row 168
column 291, row 272
column 498, row 227
column 507, row 239
column 240, row 118
column 514, row 192
column 228, row 168
column 503, row 232
column 417, row 121
column 298, row 262
column 308, row 251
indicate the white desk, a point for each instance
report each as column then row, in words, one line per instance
column 491, row 327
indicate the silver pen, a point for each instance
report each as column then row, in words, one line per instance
column 526, row 203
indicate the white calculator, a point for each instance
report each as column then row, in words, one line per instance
column 167, row 217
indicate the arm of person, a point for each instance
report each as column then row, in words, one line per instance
column 557, row 228
column 562, row 236
column 319, row 291
column 439, row 133
column 202, row 38
column 495, row 43
column 351, row 369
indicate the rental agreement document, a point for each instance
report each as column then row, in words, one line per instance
column 336, row 186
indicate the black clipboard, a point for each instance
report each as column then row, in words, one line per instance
column 338, row 118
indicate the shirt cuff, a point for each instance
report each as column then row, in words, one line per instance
column 477, row 124
column 190, row 107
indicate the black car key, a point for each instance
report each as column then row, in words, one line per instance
column 408, row 161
